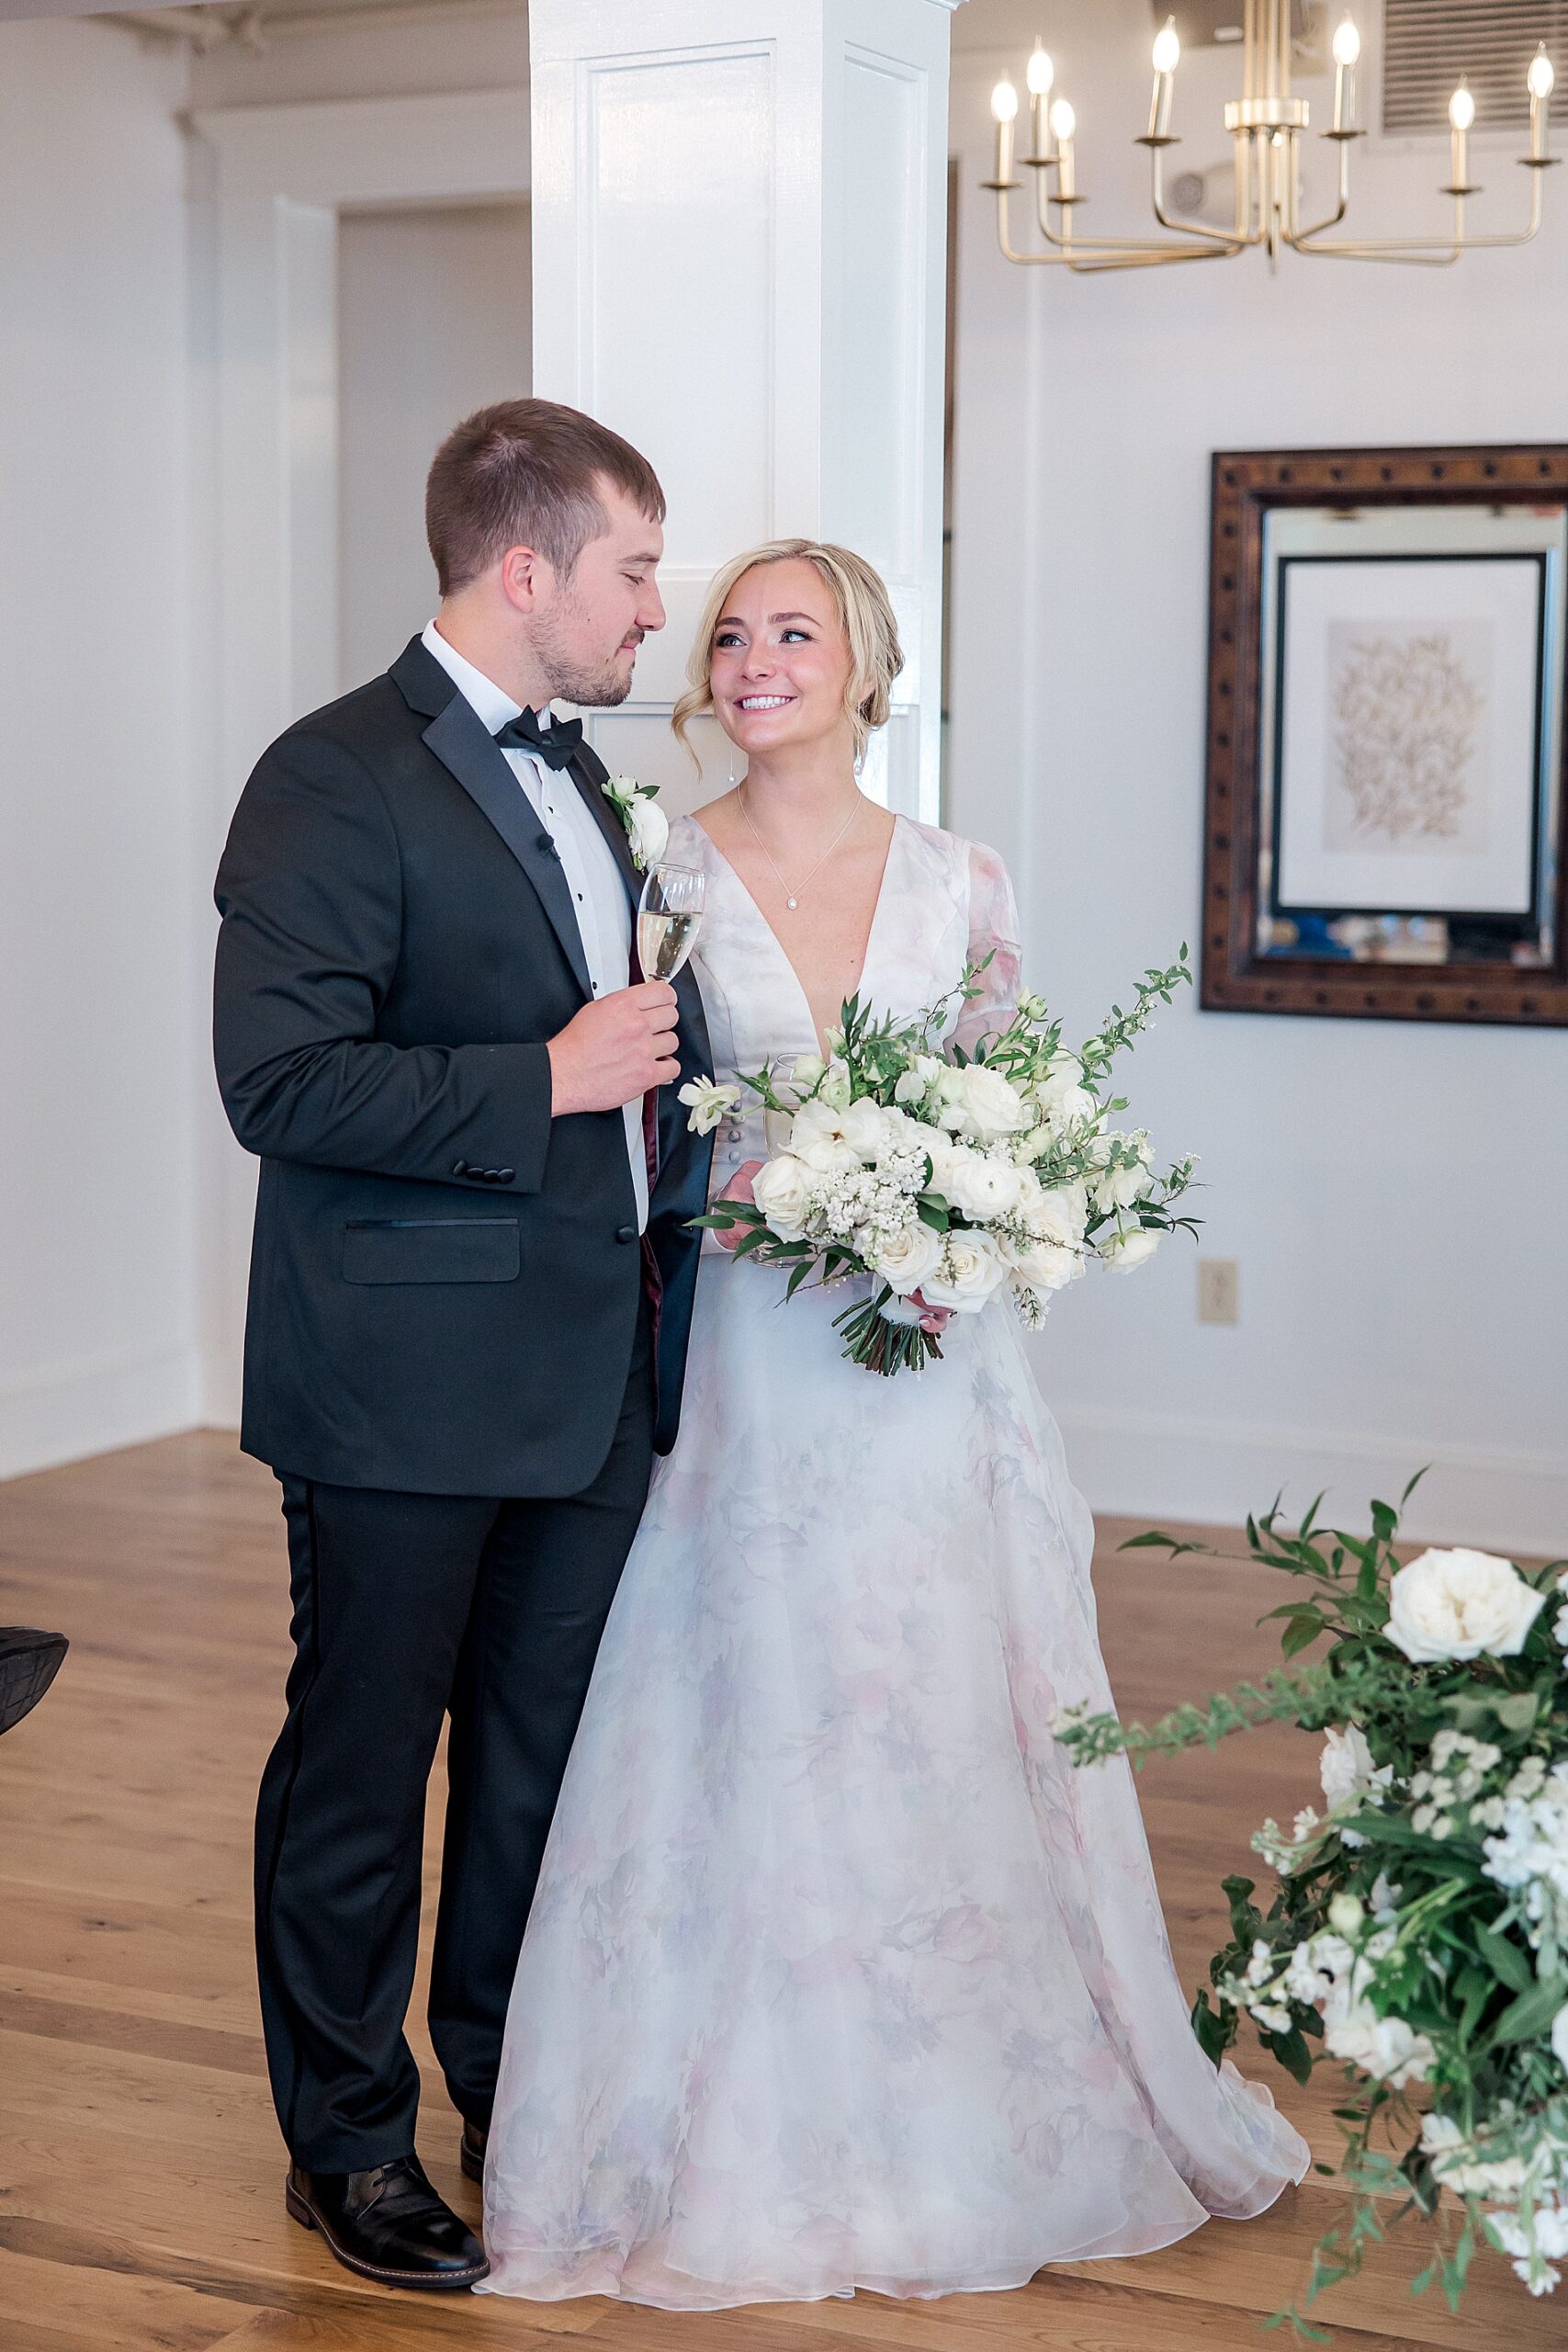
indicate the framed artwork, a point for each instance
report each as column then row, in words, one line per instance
column 1386, row 830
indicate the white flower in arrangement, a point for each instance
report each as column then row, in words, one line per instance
column 1459, row 2165
column 807, row 1070
column 1559, row 2037
column 904, row 1260
column 1529, row 1854
column 981, row 1188
column 978, row 1102
column 709, row 1102
column 837, row 1084
column 1120, row 1188
column 864, row 1127
column 1347, row 1914
column 1123, row 1250
column 1347, row 1773
column 647, row 828
column 783, row 1191
column 1456, row 1604
column 1560, row 1622
column 970, row 1270
column 916, row 1082
column 817, row 1136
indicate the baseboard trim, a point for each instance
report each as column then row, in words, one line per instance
column 1169, row 1467
column 96, row 1406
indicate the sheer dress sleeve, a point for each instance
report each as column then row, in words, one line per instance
column 993, row 932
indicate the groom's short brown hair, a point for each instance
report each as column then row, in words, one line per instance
column 526, row 473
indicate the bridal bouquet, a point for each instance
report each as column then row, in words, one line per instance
column 1419, row 1932
column 948, row 1176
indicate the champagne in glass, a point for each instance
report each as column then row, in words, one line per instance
column 668, row 915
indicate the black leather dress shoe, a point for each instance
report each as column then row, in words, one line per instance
column 388, row 2224
column 471, row 2155
column 28, row 1663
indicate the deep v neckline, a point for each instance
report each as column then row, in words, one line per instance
column 782, row 952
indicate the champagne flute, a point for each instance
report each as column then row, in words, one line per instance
column 668, row 915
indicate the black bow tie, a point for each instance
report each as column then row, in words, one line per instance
column 554, row 744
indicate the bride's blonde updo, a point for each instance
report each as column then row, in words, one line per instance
column 865, row 611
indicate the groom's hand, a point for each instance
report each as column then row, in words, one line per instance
column 615, row 1050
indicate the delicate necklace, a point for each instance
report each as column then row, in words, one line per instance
column 791, row 897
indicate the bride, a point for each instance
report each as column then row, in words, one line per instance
column 839, row 1974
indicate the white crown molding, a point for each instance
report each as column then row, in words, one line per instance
column 204, row 29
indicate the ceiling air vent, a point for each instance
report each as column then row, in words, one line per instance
column 1429, row 44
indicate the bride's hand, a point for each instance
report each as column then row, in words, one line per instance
column 737, row 1189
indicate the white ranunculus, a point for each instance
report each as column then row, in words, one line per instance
column 1122, row 1251
column 969, row 1273
column 1345, row 1915
column 835, row 1087
column 783, row 1191
column 817, row 1136
column 906, row 1258
column 1559, row 2038
column 1459, row 1604
column 1347, row 1773
column 979, row 1103
column 648, row 828
column 982, row 1189
column 804, row 1071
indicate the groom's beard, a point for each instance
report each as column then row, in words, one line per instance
column 588, row 681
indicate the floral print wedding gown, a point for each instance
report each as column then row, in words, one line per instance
column 839, row 1973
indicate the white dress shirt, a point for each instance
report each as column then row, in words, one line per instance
column 598, row 893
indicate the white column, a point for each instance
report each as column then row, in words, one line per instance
column 739, row 213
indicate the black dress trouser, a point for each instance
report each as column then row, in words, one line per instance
column 407, row 1607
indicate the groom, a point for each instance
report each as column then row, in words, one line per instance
column 468, row 1325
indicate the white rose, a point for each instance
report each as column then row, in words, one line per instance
column 981, row 1188
column 783, row 1191
column 805, row 1070
column 647, row 828
column 1559, row 2038
column 1457, row 1604
column 969, row 1273
column 817, row 1136
column 978, row 1102
column 1122, row 1251
column 1119, row 1187
column 918, row 1079
column 906, row 1258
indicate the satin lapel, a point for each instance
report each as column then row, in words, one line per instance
column 589, row 773
column 458, row 740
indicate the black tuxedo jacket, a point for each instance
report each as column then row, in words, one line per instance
column 444, row 1280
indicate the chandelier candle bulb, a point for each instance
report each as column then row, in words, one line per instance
column 1346, row 50
column 1064, row 124
column 1167, row 57
column 1040, row 75
column 1461, row 114
column 1004, row 105
column 1540, row 81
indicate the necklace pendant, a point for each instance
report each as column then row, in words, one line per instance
column 792, row 902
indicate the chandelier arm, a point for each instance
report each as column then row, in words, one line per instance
column 1440, row 251
column 1330, row 220
column 1230, row 240
column 1133, row 252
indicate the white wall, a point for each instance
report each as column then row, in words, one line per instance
column 1391, row 1190
column 99, row 989
column 433, row 321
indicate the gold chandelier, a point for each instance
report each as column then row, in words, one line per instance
column 1267, row 126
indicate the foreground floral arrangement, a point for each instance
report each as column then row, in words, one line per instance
column 949, row 1175
column 1419, row 1935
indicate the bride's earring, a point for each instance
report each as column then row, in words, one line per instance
column 860, row 762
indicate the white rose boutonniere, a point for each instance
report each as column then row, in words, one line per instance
column 637, row 806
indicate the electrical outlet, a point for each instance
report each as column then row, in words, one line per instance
column 1218, row 1290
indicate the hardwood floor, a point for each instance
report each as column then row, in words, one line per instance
column 140, row 2171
